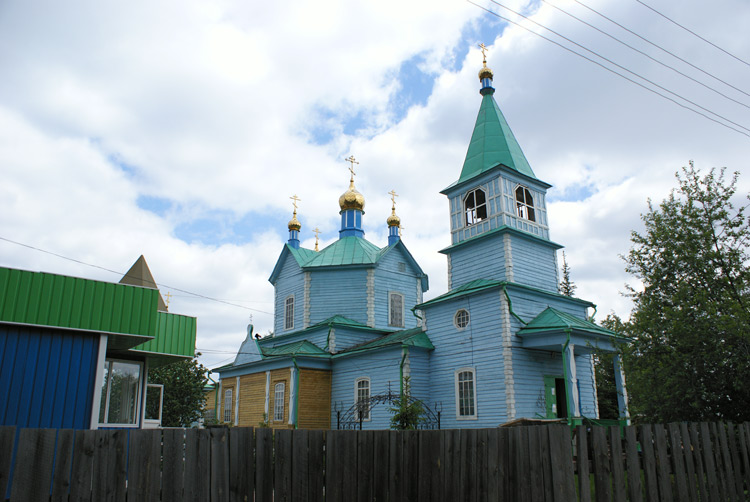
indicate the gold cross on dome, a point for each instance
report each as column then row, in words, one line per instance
column 316, row 238
column 393, row 195
column 484, row 50
column 401, row 230
column 168, row 297
column 352, row 161
column 295, row 199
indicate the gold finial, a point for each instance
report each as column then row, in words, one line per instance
column 352, row 199
column 352, row 161
column 484, row 49
column 316, row 238
column 168, row 297
column 393, row 220
column 294, row 223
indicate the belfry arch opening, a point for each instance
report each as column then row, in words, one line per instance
column 475, row 206
column 524, row 203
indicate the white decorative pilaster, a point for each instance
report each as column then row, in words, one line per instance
column 508, row 251
column 268, row 393
column 507, row 346
column 237, row 402
column 450, row 273
column 371, row 297
column 593, row 384
column 292, row 394
column 306, row 321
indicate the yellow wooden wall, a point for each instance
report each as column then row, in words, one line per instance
column 314, row 399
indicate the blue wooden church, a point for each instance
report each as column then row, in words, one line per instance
column 352, row 331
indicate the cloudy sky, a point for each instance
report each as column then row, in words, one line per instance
column 179, row 130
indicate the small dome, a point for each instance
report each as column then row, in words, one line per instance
column 294, row 223
column 485, row 73
column 352, row 199
column 393, row 220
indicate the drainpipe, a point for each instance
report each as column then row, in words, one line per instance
column 591, row 319
column 328, row 337
column 296, row 392
column 510, row 307
column 565, row 373
column 421, row 319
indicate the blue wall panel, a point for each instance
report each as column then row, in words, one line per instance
column 46, row 377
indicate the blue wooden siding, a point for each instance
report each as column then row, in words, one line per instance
column 338, row 292
column 47, row 377
column 291, row 281
column 533, row 264
column 381, row 367
column 478, row 346
column 389, row 278
column 485, row 259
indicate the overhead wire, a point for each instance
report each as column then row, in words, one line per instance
column 610, row 69
column 197, row 295
column 693, row 33
column 644, row 54
column 660, row 47
column 620, row 66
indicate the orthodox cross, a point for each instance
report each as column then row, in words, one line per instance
column 168, row 296
column 295, row 199
column 393, row 195
column 401, row 230
column 484, row 50
column 352, row 161
column 316, row 238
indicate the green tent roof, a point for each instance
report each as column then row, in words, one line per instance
column 350, row 250
column 493, row 143
column 472, row 287
column 413, row 337
column 554, row 320
column 301, row 348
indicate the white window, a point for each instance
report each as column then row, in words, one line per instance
column 466, row 396
column 362, row 396
column 120, row 390
column 278, row 402
column 228, row 405
column 475, row 206
column 396, row 310
column 524, row 204
column 461, row 319
column 289, row 312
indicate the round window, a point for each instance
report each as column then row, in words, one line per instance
column 461, row 320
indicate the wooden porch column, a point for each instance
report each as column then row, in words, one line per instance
column 571, row 387
column 622, row 392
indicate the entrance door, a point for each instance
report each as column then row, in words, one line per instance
column 554, row 397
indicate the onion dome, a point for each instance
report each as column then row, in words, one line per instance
column 294, row 223
column 352, row 199
column 393, row 220
column 485, row 72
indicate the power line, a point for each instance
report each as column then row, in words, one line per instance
column 198, row 295
column 660, row 47
column 621, row 67
column 645, row 54
column 693, row 33
column 609, row 69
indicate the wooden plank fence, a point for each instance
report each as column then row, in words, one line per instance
column 690, row 462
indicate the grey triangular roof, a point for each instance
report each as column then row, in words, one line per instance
column 140, row 275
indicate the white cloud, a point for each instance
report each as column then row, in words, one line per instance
column 211, row 106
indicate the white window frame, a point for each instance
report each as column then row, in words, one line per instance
column 278, row 404
column 289, row 312
column 455, row 319
column 228, row 399
column 391, row 294
column 367, row 416
column 138, row 398
column 456, row 374
column 523, row 208
column 470, row 214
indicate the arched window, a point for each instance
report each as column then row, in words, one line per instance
column 524, row 203
column 362, row 396
column 289, row 312
column 228, row 405
column 475, row 206
column 396, row 309
column 466, row 397
column 278, row 402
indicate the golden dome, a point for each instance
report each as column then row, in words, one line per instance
column 393, row 220
column 352, row 199
column 294, row 223
column 485, row 73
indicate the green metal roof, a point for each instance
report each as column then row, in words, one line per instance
column 302, row 255
column 493, row 143
column 301, row 348
column 336, row 320
column 413, row 337
column 551, row 319
column 501, row 229
column 69, row 302
column 346, row 251
column 469, row 288
column 175, row 335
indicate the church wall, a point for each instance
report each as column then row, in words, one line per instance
column 314, row 399
column 381, row 367
column 586, row 385
column 533, row 264
column 341, row 291
column 478, row 346
column 291, row 280
column 317, row 336
column 388, row 278
column 419, row 374
column 252, row 396
column 484, row 259
column 346, row 338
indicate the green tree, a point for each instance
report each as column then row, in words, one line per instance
column 566, row 287
column 408, row 412
column 184, row 397
column 690, row 352
column 604, row 369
